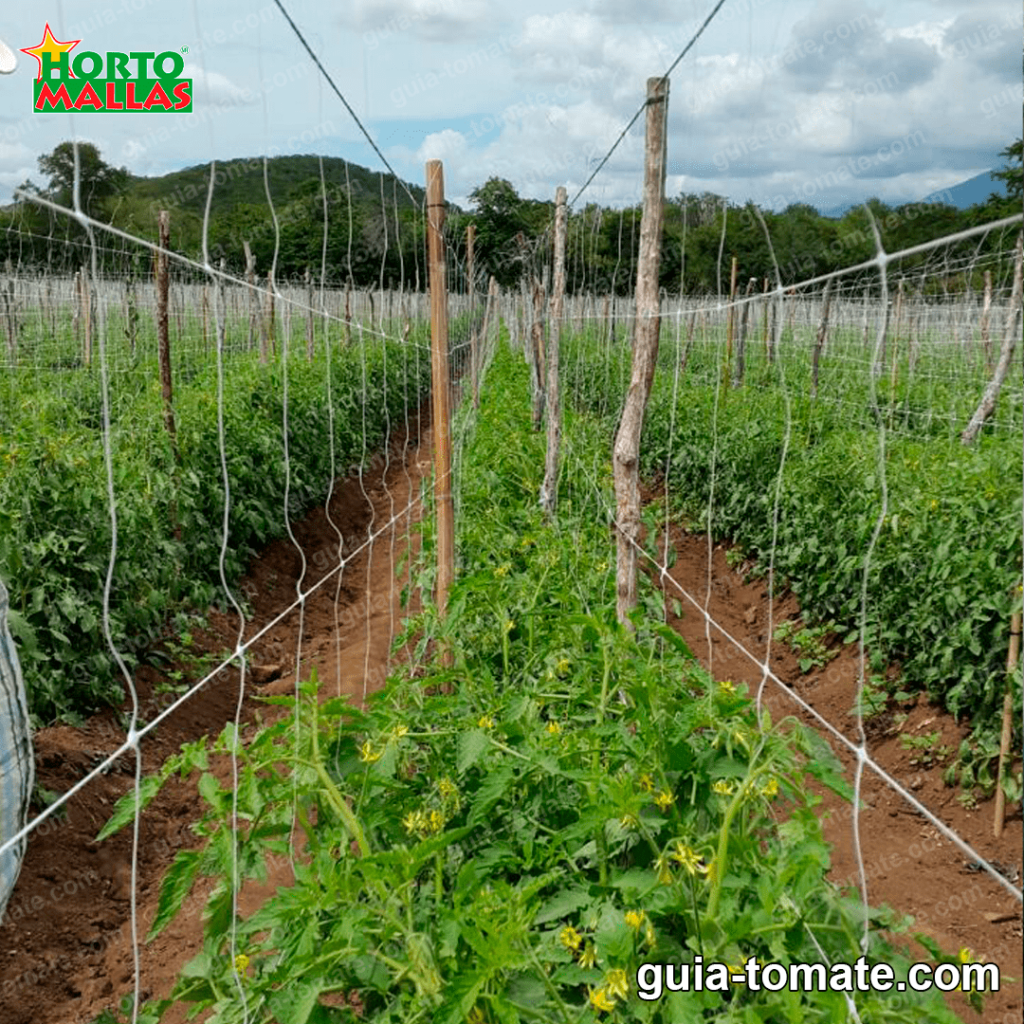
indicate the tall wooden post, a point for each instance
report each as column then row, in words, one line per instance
column 250, row 280
column 269, row 336
column 439, row 384
column 549, row 488
column 162, row 334
column 991, row 395
column 819, row 341
column 730, row 322
column 471, row 288
column 626, row 449
column 309, row 315
column 1007, row 730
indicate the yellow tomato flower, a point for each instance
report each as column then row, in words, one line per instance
column 510, row 625
column 241, row 963
column 601, row 1001
column 563, row 666
column 588, row 958
column 570, row 938
column 722, row 787
column 502, row 570
column 447, row 788
column 628, row 821
column 436, row 821
column 635, row 918
column 728, row 686
column 617, row 983
column 771, row 787
column 664, row 800
column 368, row 754
column 554, row 728
column 486, row 722
column 414, row 821
column 965, row 956
column 399, row 731
column 686, row 857
column 645, row 782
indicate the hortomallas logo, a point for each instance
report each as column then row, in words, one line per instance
column 112, row 82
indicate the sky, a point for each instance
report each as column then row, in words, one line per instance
column 779, row 101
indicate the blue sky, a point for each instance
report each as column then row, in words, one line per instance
column 781, row 100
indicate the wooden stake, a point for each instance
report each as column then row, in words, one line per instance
column 741, row 340
column 86, row 286
column 986, row 310
column 439, row 383
column 626, row 448
column 730, row 321
column 819, row 341
column 470, row 281
column 162, row 333
column 537, row 358
column 250, row 278
column 991, row 396
column 309, row 315
column 1004, row 741
column 549, row 488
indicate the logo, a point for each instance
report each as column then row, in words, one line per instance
column 113, row 82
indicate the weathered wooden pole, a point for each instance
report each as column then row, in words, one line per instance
column 162, row 333
column 991, row 395
column 309, row 315
column 549, row 488
column 819, row 341
column 626, row 448
column 439, row 383
column 730, row 322
column 741, row 340
column 1007, row 730
column 537, row 355
column 250, row 280
column 471, row 288
column 986, row 310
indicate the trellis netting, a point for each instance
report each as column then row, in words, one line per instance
column 16, row 764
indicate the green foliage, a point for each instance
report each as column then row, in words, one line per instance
column 507, row 839
column 946, row 560
column 55, row 528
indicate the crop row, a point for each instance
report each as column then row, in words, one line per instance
column 507, row 836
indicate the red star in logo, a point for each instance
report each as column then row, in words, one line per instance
column 51, row 46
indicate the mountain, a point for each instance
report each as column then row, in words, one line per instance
column 968, row 193
column 963, row 196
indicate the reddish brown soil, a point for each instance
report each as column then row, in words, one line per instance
column 909, row 865
column 65, row 945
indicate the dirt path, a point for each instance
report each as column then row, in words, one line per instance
column 909, row 865
column 65, row 944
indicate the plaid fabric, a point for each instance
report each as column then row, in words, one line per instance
column 16, row 765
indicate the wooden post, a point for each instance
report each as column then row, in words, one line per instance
column 162, row 332
column 206, row 318
column 250, row 279
column 894, row 369
column 348, row 311
column 626, row 448
column 537, row 358
column 439, row 384
column 819, row 341
column 1004, row 742
column 764, row 314
column 730, row 320
column 309, row 315
column 549, row 488
column 269, row 335
column 86, row 288
column 991, row 396
column 470, row 287
column 986, row 310
column 741, row 340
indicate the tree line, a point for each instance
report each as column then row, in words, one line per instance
column 368, row 228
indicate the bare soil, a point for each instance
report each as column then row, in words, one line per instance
column 66, row 946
